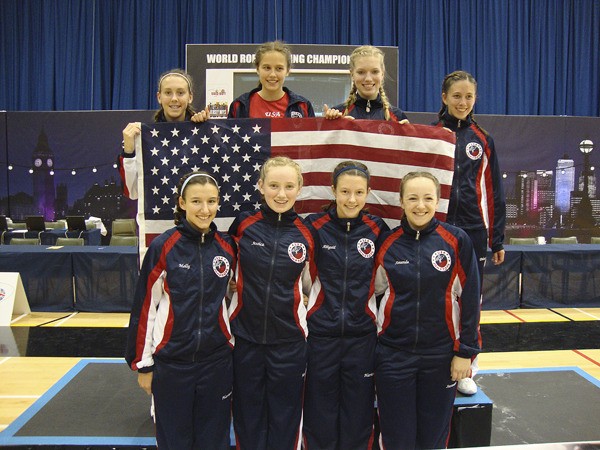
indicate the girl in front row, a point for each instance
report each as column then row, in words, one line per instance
column 340, row 392
column 268, row 313
column 428, row 320
column 179, row 340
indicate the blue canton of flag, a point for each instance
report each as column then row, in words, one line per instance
column 232, row 151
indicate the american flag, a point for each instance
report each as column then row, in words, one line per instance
column 233, row 151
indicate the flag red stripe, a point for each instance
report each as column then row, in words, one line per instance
column 364, row 154
column 376, row 183
column 371, row 126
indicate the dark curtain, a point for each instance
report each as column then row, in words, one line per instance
column 529, row 56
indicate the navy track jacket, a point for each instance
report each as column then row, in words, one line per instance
column 431, row 285
column 477, row 199
column 179, row 310
column 342, row 300
column 273, row 252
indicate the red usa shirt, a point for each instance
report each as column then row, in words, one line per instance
column 259, row 107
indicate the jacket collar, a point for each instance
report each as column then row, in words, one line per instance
column 343, row 222
column 274, row 217
column 373, row 104
column 453, row 123
column 190, row 232
column 408, row 230
column 293, row 97
column 162, row 118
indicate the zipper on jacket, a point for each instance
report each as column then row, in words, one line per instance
column 453, row 218
column 271, row 267
column 201, row 307
column 418, row 235
column 368, row 107
column 418, row 293
column 344, row 286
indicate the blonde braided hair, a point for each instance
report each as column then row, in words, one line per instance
column 386, row 103
column 359, row 52
column 351, row 98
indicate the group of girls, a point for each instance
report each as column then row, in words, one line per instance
column 279, row 318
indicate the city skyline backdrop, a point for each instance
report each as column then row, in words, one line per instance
column 539, row 156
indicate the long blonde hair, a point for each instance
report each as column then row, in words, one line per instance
column 359, row 52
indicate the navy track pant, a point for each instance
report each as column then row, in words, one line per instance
column 267, row 394
column 479, row 238
column 192, row 403
column 415, row 399
column 340, row 393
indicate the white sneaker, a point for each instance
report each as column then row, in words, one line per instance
column 467, row 386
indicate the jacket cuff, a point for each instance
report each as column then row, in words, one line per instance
column 146, row 369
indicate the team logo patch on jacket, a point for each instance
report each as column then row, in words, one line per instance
column 441, row 260
column 297, row 252
column 474, row 150
column 366, row 247
column 220, row 266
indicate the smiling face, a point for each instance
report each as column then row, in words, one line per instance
column 367, row 75
column 460, row 98
column 200, row 203
column 350, row 194
column 419, row 199
column 174, row 97
column 272, row 70
column 280, row 188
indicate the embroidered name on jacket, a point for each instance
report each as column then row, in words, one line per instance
column 297, row 252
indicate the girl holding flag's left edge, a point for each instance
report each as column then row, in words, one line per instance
column 175, row 95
